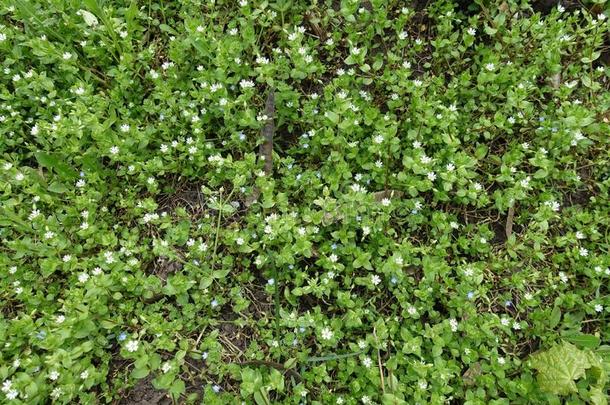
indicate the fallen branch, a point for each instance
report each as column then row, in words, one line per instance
column 265, row 150
column 509, row 221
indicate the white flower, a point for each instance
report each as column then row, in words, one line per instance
column 583, row 252
column 554, row 205
column 53, row 375
column 412, row 310
column 125, row 128
column 599, row 308
column 525, row 182
column 516, row 326
column 340, row 401
column 2, row 37
column 34, row 130
column 12, row 394
column 333, row 258
column 83, row 277
column 66, row 258
column 378, row 139
column 56, row 393
column 12, row 270
column 34, row 214
column 375, row 279
column 453, row 323
column 505, row 321
column 367, row 362
column 60, row 319
column 132, row 346
column 114, row 150
column 327, row 334
column 422, row 384
column 80, row 183
column 109, row 257
column 66, row 55
column 431, row 176
column 579, row 235
column 166, row 367
column 6, row 385
column 425, row 159
column 501, row 361
column 490, row 66
column 471, row 31
column 385, row 202
column 366, row 400
column 563, row 277
column 84, row 375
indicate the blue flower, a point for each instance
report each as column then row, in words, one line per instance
column 122, row 336
column 216, row 388
column 214, row 303
column 470, row 295
column 41, row 335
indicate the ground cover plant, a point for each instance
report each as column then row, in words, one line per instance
column 325, row 202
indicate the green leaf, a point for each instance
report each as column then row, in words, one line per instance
column 177, row 389
column 391, row 399
column 90, row 18
column 584, row 340
column 276, row 380
column 56, row 163
column 555, row 316
column 559, row 367
column 261, row 397
column 59, row 188
column 251, row 381
column 139, row 373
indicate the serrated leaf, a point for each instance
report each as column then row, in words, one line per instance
column 559, row 367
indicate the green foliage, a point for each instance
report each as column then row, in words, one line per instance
column 437, row 209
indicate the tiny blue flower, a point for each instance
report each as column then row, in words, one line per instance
column 122, row 336
column 333, row 246
column 290, row 266
column 271, row 281
column 41, row 335
column 214, row 303
column 216, row 388
column 82, row 174
column 302, row 329
column 541, row 119
column 470, row 295
column 508, row 303
column 204, row 355
column 393, row 280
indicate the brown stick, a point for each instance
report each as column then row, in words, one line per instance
column 266, row 148
column 509, row 221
